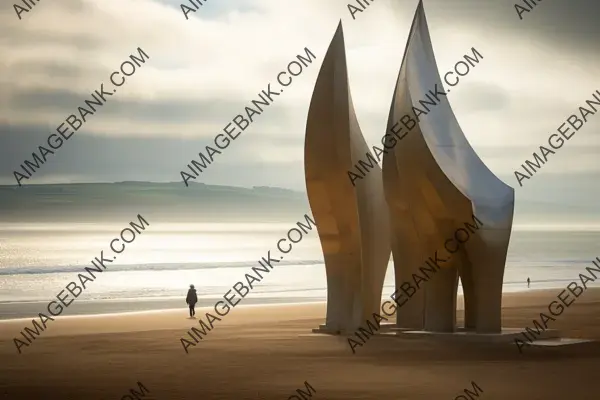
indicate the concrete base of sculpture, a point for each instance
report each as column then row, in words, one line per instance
column 507, row 335
column 548, row 338
column 559, row 342
column 323, row 329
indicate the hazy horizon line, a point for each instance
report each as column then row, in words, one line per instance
column 153, row 182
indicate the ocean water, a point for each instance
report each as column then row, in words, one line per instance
column 155, row 270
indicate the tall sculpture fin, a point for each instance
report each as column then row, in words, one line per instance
column 434, row 183
column 352, row 222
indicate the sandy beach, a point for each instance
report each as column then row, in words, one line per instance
column 267, row 352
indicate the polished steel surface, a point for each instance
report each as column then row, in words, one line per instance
column 434, row 182
column 352, row 222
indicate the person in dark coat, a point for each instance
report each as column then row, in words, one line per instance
column 191, row 300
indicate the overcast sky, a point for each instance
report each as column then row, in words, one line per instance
column 535, row 72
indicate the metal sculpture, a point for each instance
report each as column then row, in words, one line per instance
column 352, row 222
column 434, row 182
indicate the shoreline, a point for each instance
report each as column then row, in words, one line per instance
column 182, row 311
column 125, row 306
column 25, row 310
column 532, row 298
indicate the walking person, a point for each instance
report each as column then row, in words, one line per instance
column 191, row 300
column 528, row 282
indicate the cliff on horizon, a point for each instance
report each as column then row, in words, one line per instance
column 170, row 202
column 173, row 202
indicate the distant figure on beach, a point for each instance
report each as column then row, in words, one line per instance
column 528, row 282
column 191, row 300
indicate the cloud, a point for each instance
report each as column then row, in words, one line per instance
column 202, row 72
